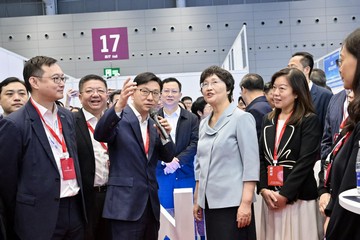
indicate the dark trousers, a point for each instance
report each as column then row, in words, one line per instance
column 221, row 224
column 98, row 227
column 70, row 222
column 146, row 228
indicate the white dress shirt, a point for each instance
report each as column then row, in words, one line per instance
column 173, row 119
column 100, row 153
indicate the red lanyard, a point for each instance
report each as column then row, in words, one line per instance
column 146, row 146
column 342, row 125
column 92, row 131
column 53, row 133
column 340, row 143
column 277, row 143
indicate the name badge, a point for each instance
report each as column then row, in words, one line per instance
column 275, row 176
column 67, row 168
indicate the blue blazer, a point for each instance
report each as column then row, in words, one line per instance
column 187, row 135
column 29, row 176
column 132, row 179
column 258, row 108
column 333, row 119
column 334, row 116
column 321, row 98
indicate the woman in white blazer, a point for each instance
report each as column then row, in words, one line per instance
column 227, row 163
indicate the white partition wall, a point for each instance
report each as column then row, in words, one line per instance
column 12, row 64
column 180, row 227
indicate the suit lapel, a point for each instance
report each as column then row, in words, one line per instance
column 134, row 123
column 81, row 123
column 181, row 119
column 39, row 130
column 152, row 140
column 269, row 135
column 313, row 92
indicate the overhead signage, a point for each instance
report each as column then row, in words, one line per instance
column 110, row 44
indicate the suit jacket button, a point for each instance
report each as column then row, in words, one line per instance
column 57, row 199
column 57, row 179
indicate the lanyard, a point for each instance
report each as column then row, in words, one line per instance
column 329, row 158
column 92, row 131
column 146, row 146
column 277, row 143
column 52, row 132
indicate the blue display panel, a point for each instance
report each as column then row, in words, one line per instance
column 332, row 71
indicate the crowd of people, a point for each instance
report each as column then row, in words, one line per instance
column 101, row 171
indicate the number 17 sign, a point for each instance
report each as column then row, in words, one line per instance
column 110, row 44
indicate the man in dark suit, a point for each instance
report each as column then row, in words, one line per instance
column 93, row 155
column 40, row 180
column 132, row 202
column 179, row 173
column 252, row 91
column 320, row 96
column 335, row 115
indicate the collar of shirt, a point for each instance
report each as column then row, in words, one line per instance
column 49, row 117
column 89, row 117
column 175, row 114
column 137, row 114
column 310, row 85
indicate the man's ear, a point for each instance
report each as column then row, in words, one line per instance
column 34, row 82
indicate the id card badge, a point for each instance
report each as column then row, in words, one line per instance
column 67, row 168
column 275, row 176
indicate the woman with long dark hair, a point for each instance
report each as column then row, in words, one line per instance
column 343, row 224
column 289, row 146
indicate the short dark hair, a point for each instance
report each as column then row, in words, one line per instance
column 89, row 77
column 198, row 105
column 171, row 79
column 303, row 104
column 267, row 87
column 9, row 80
column 252, row 81
column 318, row 77
column 223, row 74
column 33, row 67
column 116, row 92
column 242, row 100
column 186, row 98
column 146, row 77
column 307, row 60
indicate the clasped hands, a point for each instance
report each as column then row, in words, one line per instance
column 273, row 199
column 172, row 166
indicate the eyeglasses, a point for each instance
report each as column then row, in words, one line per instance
column 205, row 85
column 168, row 91
column 145, row 92
column 91, row 91
column 56, row 79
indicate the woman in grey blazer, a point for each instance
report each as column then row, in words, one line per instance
column 227, row 163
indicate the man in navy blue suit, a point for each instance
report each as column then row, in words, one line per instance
column 179, row 173
column 252, row 91
column 335, row 115
column 40, row 180
column 132, row 202
column 320, row 96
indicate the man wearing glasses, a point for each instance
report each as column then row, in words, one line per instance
column 40, row 180
column 132, row 202
column 93, row 155
column 179, row 173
